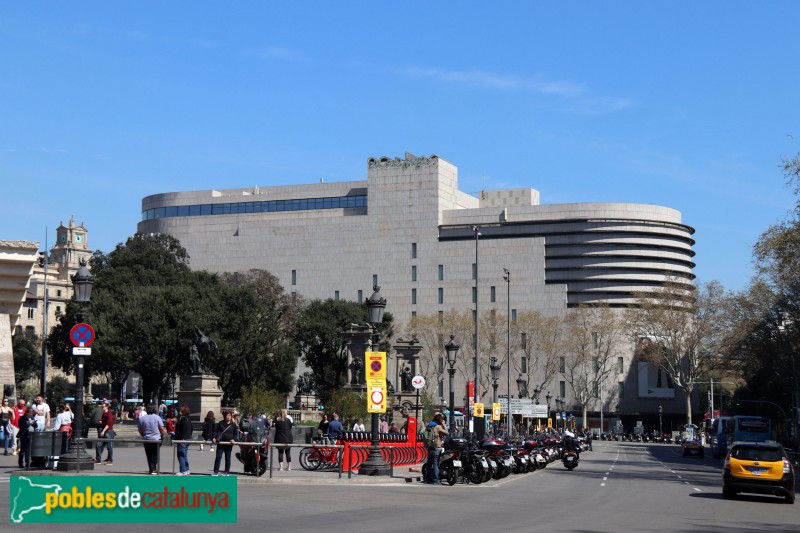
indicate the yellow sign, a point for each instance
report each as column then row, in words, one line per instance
column 375, row 365
column 495, row 412
column 477, row 410
column 550, row 422
column 376, row 396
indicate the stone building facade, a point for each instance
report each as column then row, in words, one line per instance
column 409, row 229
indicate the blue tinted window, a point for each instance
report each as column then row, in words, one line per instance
column 183, row 210
column 303, row 204
column 216, row 209
column 205, row 209
column 194, row 210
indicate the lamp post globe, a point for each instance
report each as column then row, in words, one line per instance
column 375, row 465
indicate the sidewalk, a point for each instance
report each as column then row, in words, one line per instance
column 131, row 461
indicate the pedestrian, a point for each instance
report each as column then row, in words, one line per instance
column 26, row 424
column 225, row 435
column 435, row 448
column 106, row 431
column 384, row 425
column 63, row 423
column 359, row 425
column 19, row 411
column 183, row 431
column 151, row 428
column 6, row 420
column 322, row 428
column 335, row 428
column 96, row 417
column 40, row 419
column 170, row 425
column 209, row 426
column 43, row 405
column 393, row 428
column 283, row 435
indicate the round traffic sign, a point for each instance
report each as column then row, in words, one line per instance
column 81, row 335
column 375, row 366
column 418, row 382
column 376, row 397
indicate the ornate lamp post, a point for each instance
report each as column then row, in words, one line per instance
column 375, row 465
column 507, row 279
column 560, row 406
column 548, row 397
column 77, row 458
column 495, row 367
column 452, row 352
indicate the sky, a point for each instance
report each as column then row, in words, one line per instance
column 690, row 105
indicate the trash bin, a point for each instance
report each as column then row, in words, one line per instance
column 44, row 445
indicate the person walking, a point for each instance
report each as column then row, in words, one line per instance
column 225, row 435
column 7, row 421
column 45, row 407
column 106, row 431
column 26, row 424
column 322, row 428
column 283, row 435
column 209, row 426
column 63, row 424
column 359, row 425
column 335, row 428
column 151, row 428
column 183, row 431
column 436, row 447
column 19, row 411
column 384, row 426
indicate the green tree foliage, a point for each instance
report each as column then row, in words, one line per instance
column 257, row 400
column 350, row 405
column 320, row 337
column 27, row 358
column 59, row 388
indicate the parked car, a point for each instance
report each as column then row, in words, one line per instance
column 758, row 467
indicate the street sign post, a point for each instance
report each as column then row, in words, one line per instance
column 81, row 335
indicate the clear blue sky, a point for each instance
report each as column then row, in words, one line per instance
column 690, row 105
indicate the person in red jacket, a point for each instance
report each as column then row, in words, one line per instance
column 19, row 411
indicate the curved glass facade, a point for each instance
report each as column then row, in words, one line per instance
column 266, row 206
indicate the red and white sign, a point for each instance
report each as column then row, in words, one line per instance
column 81, row 335
column 418, row 382
column 377, row 400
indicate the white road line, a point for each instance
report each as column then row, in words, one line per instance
column 602, row 484
column 698, row 490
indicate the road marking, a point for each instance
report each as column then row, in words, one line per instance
column 698, row 490
column 602, row 484
column 605, row 479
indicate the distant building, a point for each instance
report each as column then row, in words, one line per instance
column 410, row 230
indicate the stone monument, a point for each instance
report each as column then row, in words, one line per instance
column 199, row 390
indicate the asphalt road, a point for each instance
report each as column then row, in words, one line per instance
column 619, row 487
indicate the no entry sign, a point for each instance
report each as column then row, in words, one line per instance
column 81, row 335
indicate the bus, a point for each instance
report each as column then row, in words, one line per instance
column 731, row 429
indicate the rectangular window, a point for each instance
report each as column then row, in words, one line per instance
column 562, row 389
column 523, row 363
column 441, row 295
column 413, row 250
column 441, row 388
column 441, row 364
column 595, row 340
column 441, row 317
column 621, row 389
column 294, row 277
column 513, row 315
column 562, row 365
column 374, row 280
column 523, row 339
column 413, row 296
column 336, row 295
column 58, row 309
column 30, row 313
column 58, row 293
column 595, row 390
column 595, row 364
column 441, row 272
column 493, row 292
column 414, row 273
column 413, row 314
column 474, row 271
column 474, row 294
column 360, row 296
column 620, row 365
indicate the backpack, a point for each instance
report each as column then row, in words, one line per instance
column 429, row 438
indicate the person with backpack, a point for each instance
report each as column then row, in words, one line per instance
column 433, row 438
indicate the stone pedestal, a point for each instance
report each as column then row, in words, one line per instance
column 201, row 394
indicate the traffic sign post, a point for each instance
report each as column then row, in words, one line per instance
column 417, row 382
column 81, row 335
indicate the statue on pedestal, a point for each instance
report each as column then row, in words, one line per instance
column 405, row 379
column 356, row 365
column 202, row 348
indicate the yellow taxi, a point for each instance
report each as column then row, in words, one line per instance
column 759, row 467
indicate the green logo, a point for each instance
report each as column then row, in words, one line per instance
column 122, row 499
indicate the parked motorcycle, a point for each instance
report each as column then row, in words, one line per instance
column 253, row 457
column 450, row 463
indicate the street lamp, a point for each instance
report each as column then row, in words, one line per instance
column 560, row 406
column 495, row 367
column 477, row 321
column 507, row 279
column 660, row 423
column 77, row 458
column 548, row 397
column 522, row 387
column 452, row 352
column 375, row 465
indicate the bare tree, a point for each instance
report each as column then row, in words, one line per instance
column 685, row 324
column 595, row 336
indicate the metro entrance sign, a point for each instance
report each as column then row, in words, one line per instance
column 81, row 335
